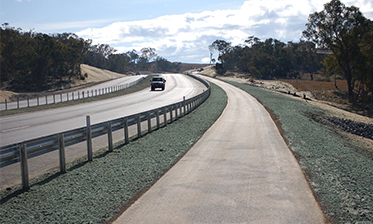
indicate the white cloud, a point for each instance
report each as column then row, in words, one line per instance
column 186, row 37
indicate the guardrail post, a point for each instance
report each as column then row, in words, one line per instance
column 28, row 101
column 89, row 139
column 126, row 138
column 157, row 116
column 83, row 97
column 46, row 100
column 138, row 126
column 184, row 105
column 61, row 144
column 37, row 99
column 6, row 104
column 54, row 98
column 24, row 167
column 171, row 114
column 176, row 115
column 181, row 109
column 60, row 97
column 110, row 136
column 164, row 116
column 188, row 107
column 17, row 103
column 149, row 122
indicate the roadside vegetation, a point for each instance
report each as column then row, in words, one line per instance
column 337, row 43
column 33, row 61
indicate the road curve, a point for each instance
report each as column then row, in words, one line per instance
column 241, row 171
column 22, row 127
column 17, row 128
column 58, row 97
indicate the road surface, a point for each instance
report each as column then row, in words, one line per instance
column 27, row 126
column 240, row 171
column 98, row 89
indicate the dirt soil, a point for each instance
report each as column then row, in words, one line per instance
column 94, row 75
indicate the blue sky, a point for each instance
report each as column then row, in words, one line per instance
column 178, row 30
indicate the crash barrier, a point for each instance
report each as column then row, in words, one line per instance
column 21, row 152
column 63, row 97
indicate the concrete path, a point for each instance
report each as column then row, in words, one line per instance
column 241, row 171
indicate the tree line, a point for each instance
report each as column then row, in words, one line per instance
column 33, row 61
column 343, row 31
column 105, row 57
column 269, row 59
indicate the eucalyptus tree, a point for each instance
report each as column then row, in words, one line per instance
column 340, row 29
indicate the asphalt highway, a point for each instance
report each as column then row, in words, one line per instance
column 240, row 171
column 21, row 127
column 55, row 97
column 27, row 126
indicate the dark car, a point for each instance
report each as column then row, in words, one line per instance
column 157, row 82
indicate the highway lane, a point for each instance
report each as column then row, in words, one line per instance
column 95, row 90
column 27, row 126
column 240, row 171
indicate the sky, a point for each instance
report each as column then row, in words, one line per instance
column 179, row 30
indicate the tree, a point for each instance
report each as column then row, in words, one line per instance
column 162, row 64
column 340, row 29
column 133, row 56
column 222, row 46
column 365, row 68
column 119, row 62
column 148, row 53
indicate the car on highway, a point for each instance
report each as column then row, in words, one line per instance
column 157, row 82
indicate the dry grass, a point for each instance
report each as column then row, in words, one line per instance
column 314, row 85
column 335, row 92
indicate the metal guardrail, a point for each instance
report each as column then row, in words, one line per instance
column 64, row 97
column 20, row 152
